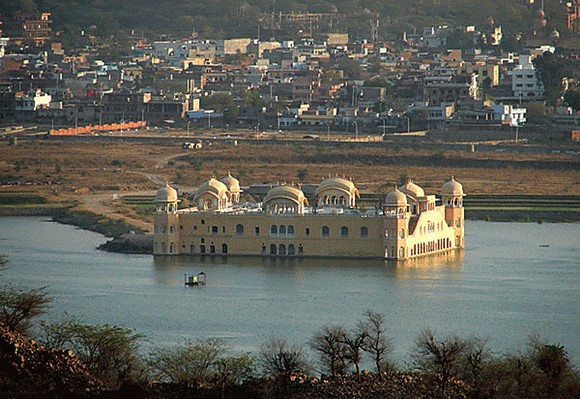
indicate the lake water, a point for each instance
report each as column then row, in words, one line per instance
column 512, row 280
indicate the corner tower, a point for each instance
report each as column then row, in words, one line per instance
column 452, row 197
column 165, row 236
column 397, row 217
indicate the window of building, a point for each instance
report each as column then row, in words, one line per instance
column 307, row 232
column 325, row 231
column 282, row 249
column 224, row 248
column 223, row 229
column 344, row 232
column 239, row 229
column 291, row 250
column 290, row 230
column 364, row 231
column 202, row 221
column 282, row 230
column 214, row 229
column 172, row 248
column 402, row 233
column 273, row 249
column 257, row 230
column 212, row 248
column 274, row 229
column 202, row 249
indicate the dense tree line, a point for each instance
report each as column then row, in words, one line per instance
column 442, row 367
column 224, row 18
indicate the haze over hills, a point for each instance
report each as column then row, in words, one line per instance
column 230, row 18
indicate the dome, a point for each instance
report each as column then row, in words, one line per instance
column 285, row 193
column 166, row 194
column 396, row 198
column 212, row 186
column 231, row 183
column 336, row 183
column 412, row 190
column 453, row 188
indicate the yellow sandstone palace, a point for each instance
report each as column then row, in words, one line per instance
column 409, row 225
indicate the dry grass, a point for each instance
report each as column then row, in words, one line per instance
column 74, row 169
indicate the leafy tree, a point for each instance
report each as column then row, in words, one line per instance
column 109, row 352
column 551, row 72
column 554, row 364
column 329, row 343
column 376, row 343
column 280, row 361
column 190, row 364
column 572, row 98
column 302, row 174
column 18, row 307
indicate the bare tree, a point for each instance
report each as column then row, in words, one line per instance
column 354, row 343
column 329, row 343
column 442, row 358
column 18, row 307
column 376, row 343
column 279, row 360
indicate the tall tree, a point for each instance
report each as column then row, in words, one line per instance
column 551, row 72
column 377, row 344
column 18, row 307
column 280, row 360
column 441, row 358
column 329, row 344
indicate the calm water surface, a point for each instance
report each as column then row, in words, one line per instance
column 512, row 280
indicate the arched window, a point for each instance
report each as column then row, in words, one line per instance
column 273, row 249
column 325, row 231
column 202, row 249
column 282, row 230
column 282, row 249
column 224, row 248
column 291, row 250
column 274, row 229
column 163, row 248
column 290, row 230
column 214, row 229
column 212, row 249
column 344, row 232
column 402, row 233
column 172, row 248
column 364, row 231
column 239, row 229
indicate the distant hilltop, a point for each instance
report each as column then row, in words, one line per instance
column 260, row 18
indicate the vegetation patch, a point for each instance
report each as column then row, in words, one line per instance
column 98, row 223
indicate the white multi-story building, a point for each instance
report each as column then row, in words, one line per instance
column 509, row 115
column 32, row 100
column 525, row 82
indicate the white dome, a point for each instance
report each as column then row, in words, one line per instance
column 396, row 198
column 166, row 194
column 452, row 188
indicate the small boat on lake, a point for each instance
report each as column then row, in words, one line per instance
column 195, row 280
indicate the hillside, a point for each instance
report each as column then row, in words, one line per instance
column 229, row 18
